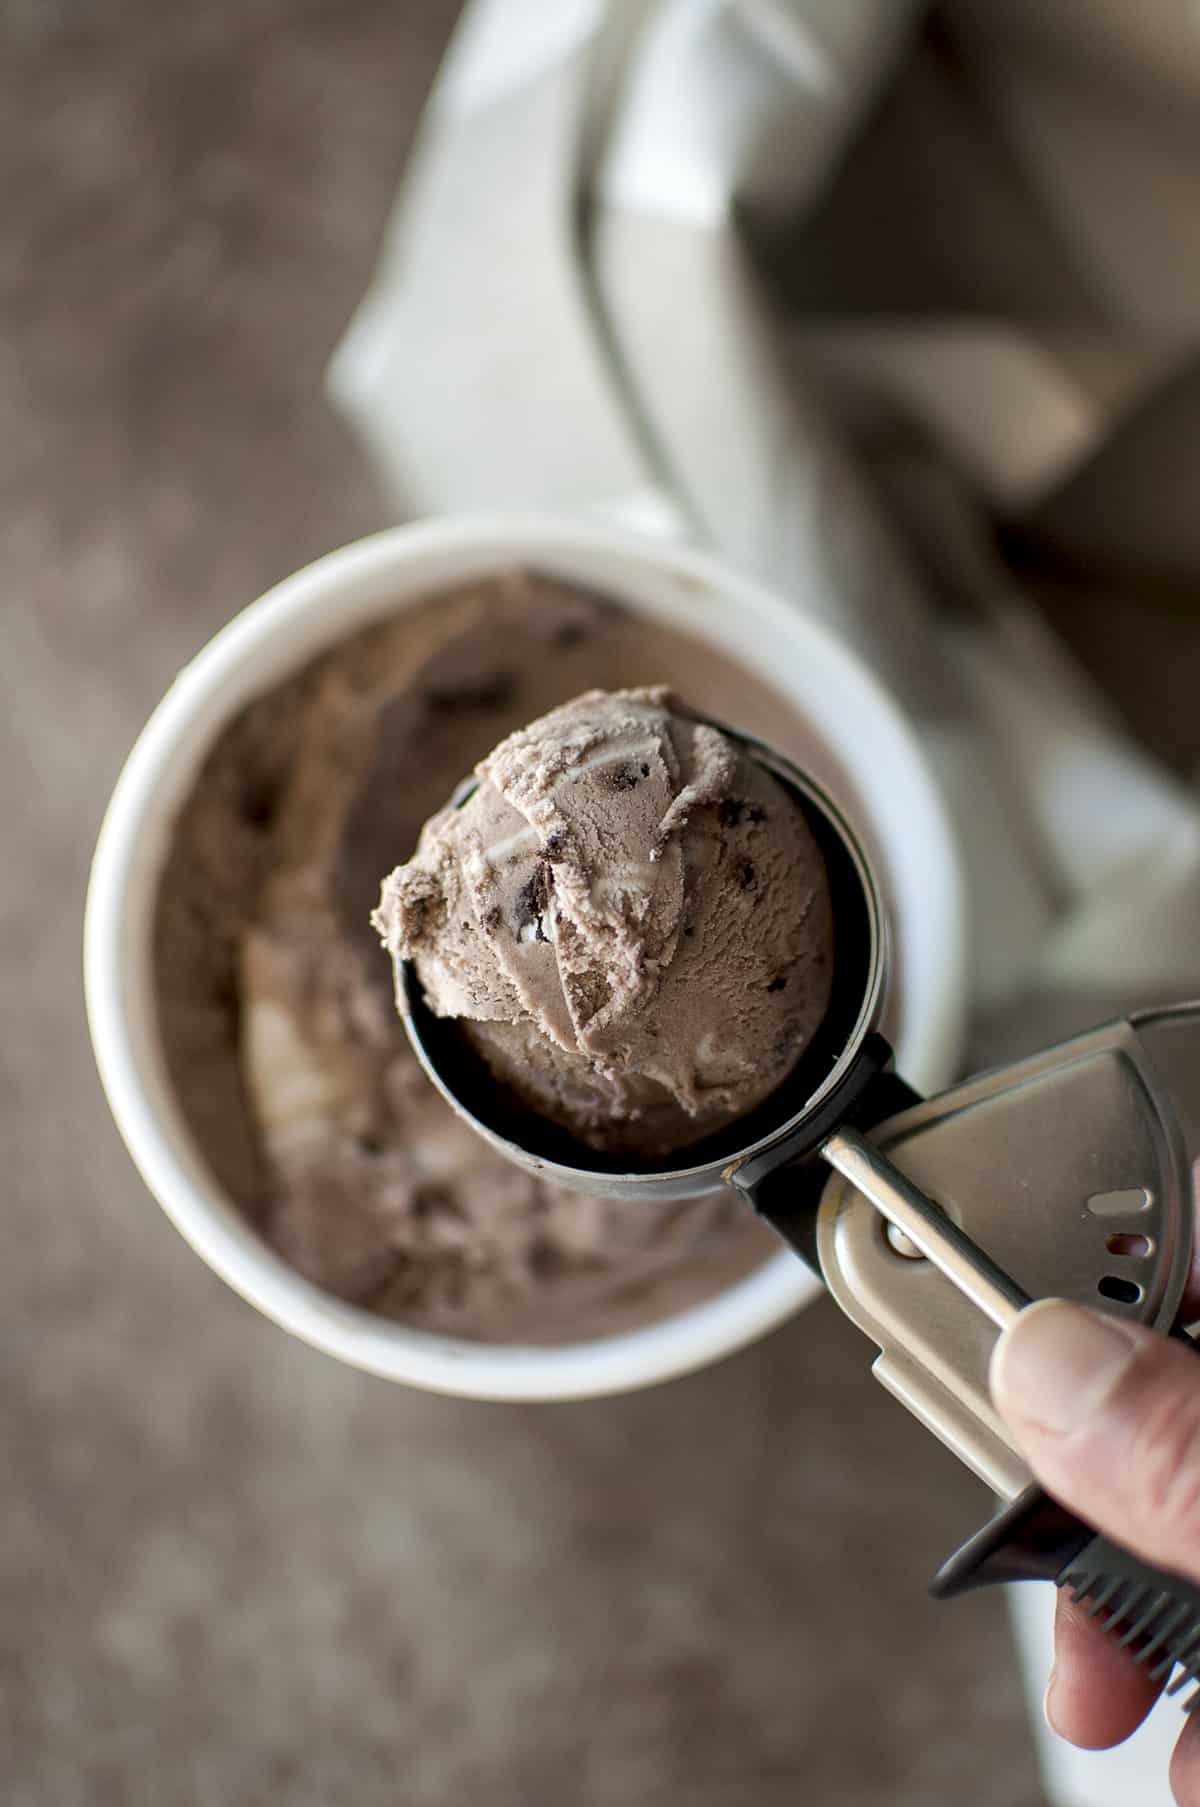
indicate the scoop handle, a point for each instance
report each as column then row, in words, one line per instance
column 1152, row 1612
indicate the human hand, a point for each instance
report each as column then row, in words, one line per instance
column 1108, row 1415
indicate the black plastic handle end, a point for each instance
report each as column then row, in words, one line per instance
column 1153, row 1613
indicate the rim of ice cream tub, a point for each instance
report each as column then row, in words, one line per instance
column 312, row 611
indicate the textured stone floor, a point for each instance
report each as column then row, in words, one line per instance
column 231, row 1572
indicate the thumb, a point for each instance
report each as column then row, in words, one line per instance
column 1108, row 1415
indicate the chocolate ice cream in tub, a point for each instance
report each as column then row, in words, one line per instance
column 589, row 1301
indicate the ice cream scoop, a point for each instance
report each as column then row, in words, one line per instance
column 628, row 918
column 1066, row 1175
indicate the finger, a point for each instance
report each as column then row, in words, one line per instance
column 1108, row 1414
column 1185, row 1765
column 1097, row 1695
column 1190, row 1308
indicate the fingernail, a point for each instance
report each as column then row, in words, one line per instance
column 1048, row 1703
column 1057, row 1363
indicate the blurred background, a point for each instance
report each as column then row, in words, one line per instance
column 894, row 305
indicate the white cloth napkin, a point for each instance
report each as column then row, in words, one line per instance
column 568, row 314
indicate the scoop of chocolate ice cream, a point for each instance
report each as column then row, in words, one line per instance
column 629, row 918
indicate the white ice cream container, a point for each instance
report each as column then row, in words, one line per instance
column 896, row 799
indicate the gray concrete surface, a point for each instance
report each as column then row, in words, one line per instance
column 232, row 1573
